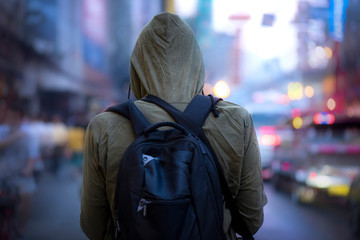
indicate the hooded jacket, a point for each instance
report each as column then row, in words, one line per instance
column 167, row 62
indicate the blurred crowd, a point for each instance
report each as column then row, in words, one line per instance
column 30, row 146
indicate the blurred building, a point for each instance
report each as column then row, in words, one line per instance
column 15, row 51
column 313, row 37
column 66, row 57
column 40, row 59
column 328, row 33
column 126, row 20
column 350, row 59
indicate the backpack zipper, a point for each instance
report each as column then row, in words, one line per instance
column 143, row 206
column 200, row 144
column 118, row 229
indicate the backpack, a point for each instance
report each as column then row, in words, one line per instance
column 170, row 185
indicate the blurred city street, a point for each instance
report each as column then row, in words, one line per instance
column 294, row 65
column 286, row 220
column 56, row 208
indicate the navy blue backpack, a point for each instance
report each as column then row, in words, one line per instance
column 170, row 185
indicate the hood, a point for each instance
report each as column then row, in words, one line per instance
column 166, row 61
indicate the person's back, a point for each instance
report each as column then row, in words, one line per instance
column 167, row 62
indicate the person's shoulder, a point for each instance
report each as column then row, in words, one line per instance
column 234, row 113
column 106, row 120
column 233, row 109
column 99, row 117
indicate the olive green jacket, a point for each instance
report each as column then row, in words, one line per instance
column 167, row 62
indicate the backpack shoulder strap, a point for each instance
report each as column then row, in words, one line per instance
column 129, row 110
column 200, row 107
column 195, row 113
column 120, row 108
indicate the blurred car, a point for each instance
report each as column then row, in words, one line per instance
column 354, row 205
column 269, row 122
column 321, row 161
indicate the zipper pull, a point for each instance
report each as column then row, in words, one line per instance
column 201, row 145
column 117, row 230
column 143, row 206
column 145, row 211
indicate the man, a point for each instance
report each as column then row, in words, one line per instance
column 167, row 62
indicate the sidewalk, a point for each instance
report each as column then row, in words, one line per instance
column 56, row 208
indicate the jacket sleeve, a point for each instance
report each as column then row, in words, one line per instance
column 251, row 197
column 95, row 210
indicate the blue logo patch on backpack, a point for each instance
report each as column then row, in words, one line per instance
column 168, row 183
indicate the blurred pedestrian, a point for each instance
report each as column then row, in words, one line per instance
column 76, row 135
column 60, row 140
column 19, row 156
column 34, row 127
column 46, row 140
column 167, row 62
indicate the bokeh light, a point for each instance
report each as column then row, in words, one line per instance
column 324, row 118
column 331, row 104
column 297, row 122
column 222, row 89
column 295, row 90
column 328, row 52
column 295, row 113
column 309, row 91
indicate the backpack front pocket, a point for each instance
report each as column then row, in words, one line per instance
column 167, row 219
